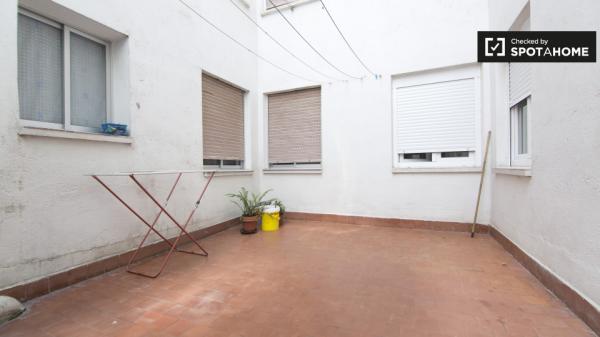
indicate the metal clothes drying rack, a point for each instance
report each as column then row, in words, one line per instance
column 151, row 225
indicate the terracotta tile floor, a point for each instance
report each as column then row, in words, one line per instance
column 314, row 279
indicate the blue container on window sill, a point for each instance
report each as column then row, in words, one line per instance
column 114, row 129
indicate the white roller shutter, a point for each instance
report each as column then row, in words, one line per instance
column 519, row 75
column 435, row 117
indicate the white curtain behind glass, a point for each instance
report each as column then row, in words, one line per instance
column 40, row 71
column 88, row 82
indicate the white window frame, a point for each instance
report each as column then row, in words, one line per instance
column 460, row 72
column 520, row 159
column 67, row 126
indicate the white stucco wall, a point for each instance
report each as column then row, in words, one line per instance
column 52, row 217
column 553, row 215
column 393, row 38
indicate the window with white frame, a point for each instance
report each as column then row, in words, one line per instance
column 520, row 114
column 294, row 129
column 222, row 124
column 63, row 76
column 520, row 155
column 436, row 118
column 519, row 91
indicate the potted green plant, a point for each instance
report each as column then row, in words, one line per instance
column 251, row 206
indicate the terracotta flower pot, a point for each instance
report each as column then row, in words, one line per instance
column 249, row 224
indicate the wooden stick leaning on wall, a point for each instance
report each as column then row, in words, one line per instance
column 485, row 155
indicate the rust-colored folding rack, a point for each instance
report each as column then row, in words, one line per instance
column 151, row 226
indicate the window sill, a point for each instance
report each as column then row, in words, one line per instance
column 514, row 171
column 228, row 173
column 293, row 171
column 98, row 137
column 286, row 6
column 398, row 170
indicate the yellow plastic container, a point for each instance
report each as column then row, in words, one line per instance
column 270, row 219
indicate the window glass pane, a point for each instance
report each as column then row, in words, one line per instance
column 40, row 71
column 88, row 82
column 522, row 127
column 212, row 162
column 232, row 163
column 455, row 154
column 425, row 156
column 224, row 163
column 308, row 163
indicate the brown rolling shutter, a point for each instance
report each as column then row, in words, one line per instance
column 222, row 120
column 295, row 126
